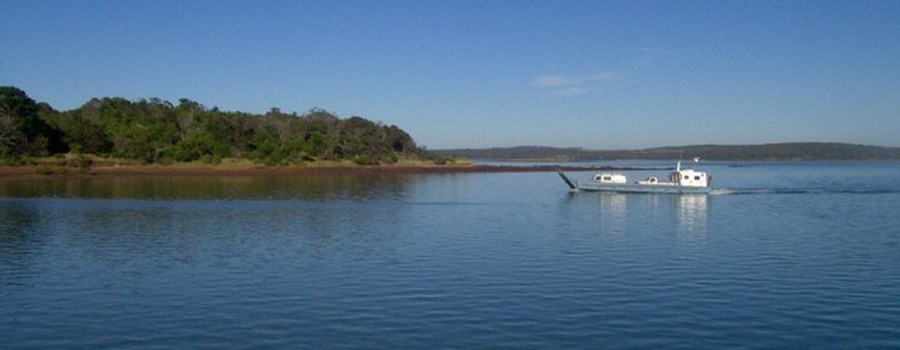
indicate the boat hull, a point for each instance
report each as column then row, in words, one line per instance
column 639, row 188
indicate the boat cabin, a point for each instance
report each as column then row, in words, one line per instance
column 610, row 178
column 689, row 178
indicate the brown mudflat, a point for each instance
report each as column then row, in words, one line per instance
column 158, row 170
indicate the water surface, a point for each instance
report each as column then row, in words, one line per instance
column 783, row 255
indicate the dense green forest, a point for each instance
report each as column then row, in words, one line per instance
column 773, row 151
column 157, row 131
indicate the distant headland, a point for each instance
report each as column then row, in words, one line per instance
column 793, row 151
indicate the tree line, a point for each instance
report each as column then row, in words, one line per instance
column 157, row 131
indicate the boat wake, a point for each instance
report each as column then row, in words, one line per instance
column 750, row 191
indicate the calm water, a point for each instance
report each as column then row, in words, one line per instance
column 786, row 255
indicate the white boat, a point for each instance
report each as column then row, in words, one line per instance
column 679, row 181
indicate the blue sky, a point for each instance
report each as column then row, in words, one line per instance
column 459, row 74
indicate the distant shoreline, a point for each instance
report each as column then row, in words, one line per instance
column 39, row 172
column 788, row 151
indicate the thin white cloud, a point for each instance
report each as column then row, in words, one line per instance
column 552, row 80
column 572, row 91
column 571, row 85
column 650, row 54
column 557, row 80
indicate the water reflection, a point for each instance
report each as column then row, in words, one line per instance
column 146, row 238
column 15, row 217
column 613, row 207
column 692, row 212
column 191, row 220
column 16, row 241
column 616, row 210
column 692, row 217
column 353, row 187
column 613, row 204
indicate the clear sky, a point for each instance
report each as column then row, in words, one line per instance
column 460, row 73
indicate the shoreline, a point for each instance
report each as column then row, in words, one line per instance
column 43, row 172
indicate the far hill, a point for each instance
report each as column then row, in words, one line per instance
column 771, row 151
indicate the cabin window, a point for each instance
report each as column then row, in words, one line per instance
column 607, row 178
column 686, row 177
column 697, row 177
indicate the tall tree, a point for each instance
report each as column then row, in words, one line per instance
column 22, row 131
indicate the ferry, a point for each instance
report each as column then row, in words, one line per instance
column 679, row 181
